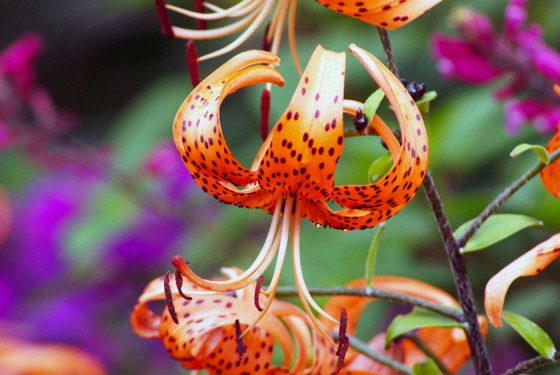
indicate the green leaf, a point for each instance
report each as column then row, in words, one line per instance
column 424, row 102
column 496, row 228
column 372, row 254
column 372, row 103
column 539, row 150
column 532, row 333
column 418, row 318
column 426, row 367
column 379, row 167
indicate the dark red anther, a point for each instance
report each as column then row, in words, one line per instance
column 360, row 120
column 415, row 89
column 179, row 283
column 258, row 288
column 169, row 298
column 343, row 341
column 192, row 62
column 199, row 7
column 240, row 347
column 265, row 113
column 164, row 20
column 267, row 43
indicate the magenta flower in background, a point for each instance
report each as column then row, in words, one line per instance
column 480, row 55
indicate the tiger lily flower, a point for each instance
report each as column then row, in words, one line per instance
column 449, row 345
column 529, row 264
column 247, row 16
column 292, row 176
column 19, row 357
column 206, row 337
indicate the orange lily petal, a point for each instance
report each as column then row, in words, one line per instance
column 17, row 357
column 557, row 89
column 529, row 264
column 450, row 345
column 550, row 176
column 307, row 140
column 198, row 134
column 389, row 14
column 205, row 335
column 368, row 205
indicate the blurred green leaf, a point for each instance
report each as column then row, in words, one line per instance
column 372, row 254
column 495, row 229
column 372, row 103
column 379, row 167
column 532, row 333
column 147, row 120
column 539, row 150
column 110, row 210
column 426, row 367
column 418, row 318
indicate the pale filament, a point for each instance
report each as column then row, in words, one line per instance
column 275, row 281
column 237, row 10
column 301, row 287
column 261, row 263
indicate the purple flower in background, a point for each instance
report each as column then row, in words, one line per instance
column 480, row 55
column 17, row 62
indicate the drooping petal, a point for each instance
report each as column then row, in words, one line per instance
column 368, row 205
column 550, row 176
column 198, row 134
column 307, row 141
column 529, row 264
column 389, row 14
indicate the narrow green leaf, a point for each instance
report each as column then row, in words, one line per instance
column 495, row 229
column 418, row 318
column 372, row 254
column 424, row 102
column 372, row 103
column 379, row 167
column 532, row 333
column 539, row 150
column 426, row 367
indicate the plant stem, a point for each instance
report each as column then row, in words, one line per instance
column 528, row 366
column 290, row 291
column 503, row 197
column 386, row 42
column 364, row 349
column 462, row 281
column 458, row 266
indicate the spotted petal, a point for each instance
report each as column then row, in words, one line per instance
column 307, row 141
column 550, row 176
column 205, row 336
column 367, row 205
column 529, row 264
column 197, row 129
column 389, row 14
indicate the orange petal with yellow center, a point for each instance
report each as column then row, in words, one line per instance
column 529, row 264
column 197, row 128
column 389, row 14
column 17, row 357
column 307, row 141
column 550, row 176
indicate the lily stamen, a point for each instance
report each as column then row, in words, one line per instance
column 258, row 292
column 192, row 62
column 169, row 298
column 179, row 284
column 238, row 337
